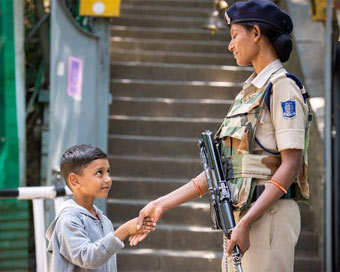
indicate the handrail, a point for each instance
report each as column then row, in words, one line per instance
column 37, row 194
column 34, row 192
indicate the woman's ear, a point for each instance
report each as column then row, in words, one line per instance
column 256, row 31
column 73, row 180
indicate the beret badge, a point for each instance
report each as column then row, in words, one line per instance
column 227, row 18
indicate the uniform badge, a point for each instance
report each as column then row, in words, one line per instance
column 227, row 18
column 288, row 108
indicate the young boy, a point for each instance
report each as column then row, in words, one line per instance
column 81, row 238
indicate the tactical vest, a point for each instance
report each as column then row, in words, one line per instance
column 237, row 139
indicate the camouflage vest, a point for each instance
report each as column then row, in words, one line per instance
column 237, row 138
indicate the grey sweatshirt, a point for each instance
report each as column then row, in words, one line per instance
column 79, row 241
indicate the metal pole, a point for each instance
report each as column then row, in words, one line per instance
column 39, row 235
column 328, row 262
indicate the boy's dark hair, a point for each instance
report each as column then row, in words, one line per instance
column 76, row 158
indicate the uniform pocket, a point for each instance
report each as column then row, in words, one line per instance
column 272, row 223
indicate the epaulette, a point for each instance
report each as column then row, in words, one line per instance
column 276, row 78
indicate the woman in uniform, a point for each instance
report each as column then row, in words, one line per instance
column 264, row 140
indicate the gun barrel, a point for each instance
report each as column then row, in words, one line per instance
column 219, row 191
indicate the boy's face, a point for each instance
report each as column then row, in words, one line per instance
column 95, row 180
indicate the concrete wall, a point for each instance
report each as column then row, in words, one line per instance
column 307, row 62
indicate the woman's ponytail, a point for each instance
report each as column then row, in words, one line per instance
column 283, row 46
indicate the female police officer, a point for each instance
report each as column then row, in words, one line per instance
column 264, row 140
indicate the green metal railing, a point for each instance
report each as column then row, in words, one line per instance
column 14, row 215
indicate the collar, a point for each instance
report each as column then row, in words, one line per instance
column 259, row 80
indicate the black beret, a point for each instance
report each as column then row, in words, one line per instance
column 263, row 11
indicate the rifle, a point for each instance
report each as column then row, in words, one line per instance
column 220, row 197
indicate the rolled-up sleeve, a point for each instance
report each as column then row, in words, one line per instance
column 288, row 115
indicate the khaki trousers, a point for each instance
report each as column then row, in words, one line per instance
column 272, row 240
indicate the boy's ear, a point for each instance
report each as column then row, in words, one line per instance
column 73, row 180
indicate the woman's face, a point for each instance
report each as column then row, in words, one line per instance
column 242, row 44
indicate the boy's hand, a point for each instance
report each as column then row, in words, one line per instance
column 152, row 209
column 130, row 228
column 147, row 225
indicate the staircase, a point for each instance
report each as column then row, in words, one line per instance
column 171, row 80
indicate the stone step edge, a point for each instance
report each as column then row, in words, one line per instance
column 138, row 3
column 191, row 228
column 188, row 1
column 168, row 18
column 193, row 254
column 153, row 138
column 194, row 228
column 114, row 38
column 149, row 179
column 172, row 253
column 116, row 52
column 172, row 100
column 164, row 29
column 178, row 82
column 143, row 202
column 166, row 119
column 182, row 65
column 161, row 8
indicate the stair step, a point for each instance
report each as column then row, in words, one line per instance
column 168, row 260
column 170, row 45
column 308, row 264
column 171, row 3
column 139, row 188
column 307, row 217
column 188, row 214
column 158, row 21
column 142, row 187
column 174, row 89
column 310, row 239
column 170, row 57
column 154, row 166
column 166, row 33
column 167, row 71
column 153, row 146
column 186, row 238
column 153, row 126
column 169, row 107
column 126, row 9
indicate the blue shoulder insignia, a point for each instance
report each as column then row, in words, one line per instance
column 288, row 108
column 297, row 81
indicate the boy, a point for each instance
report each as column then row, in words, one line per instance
column 81, row 238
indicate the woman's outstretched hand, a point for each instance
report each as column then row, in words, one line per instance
column 152, row 209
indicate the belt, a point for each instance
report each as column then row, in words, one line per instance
column 260, row 188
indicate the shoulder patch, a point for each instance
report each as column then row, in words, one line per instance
column 288, row 108
column 278, row 77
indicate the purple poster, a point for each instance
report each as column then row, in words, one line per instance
column 75, row 77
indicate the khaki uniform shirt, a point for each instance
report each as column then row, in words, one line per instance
column 275, row 131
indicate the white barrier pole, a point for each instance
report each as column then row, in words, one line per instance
column 57, row 203
column 39, row 235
